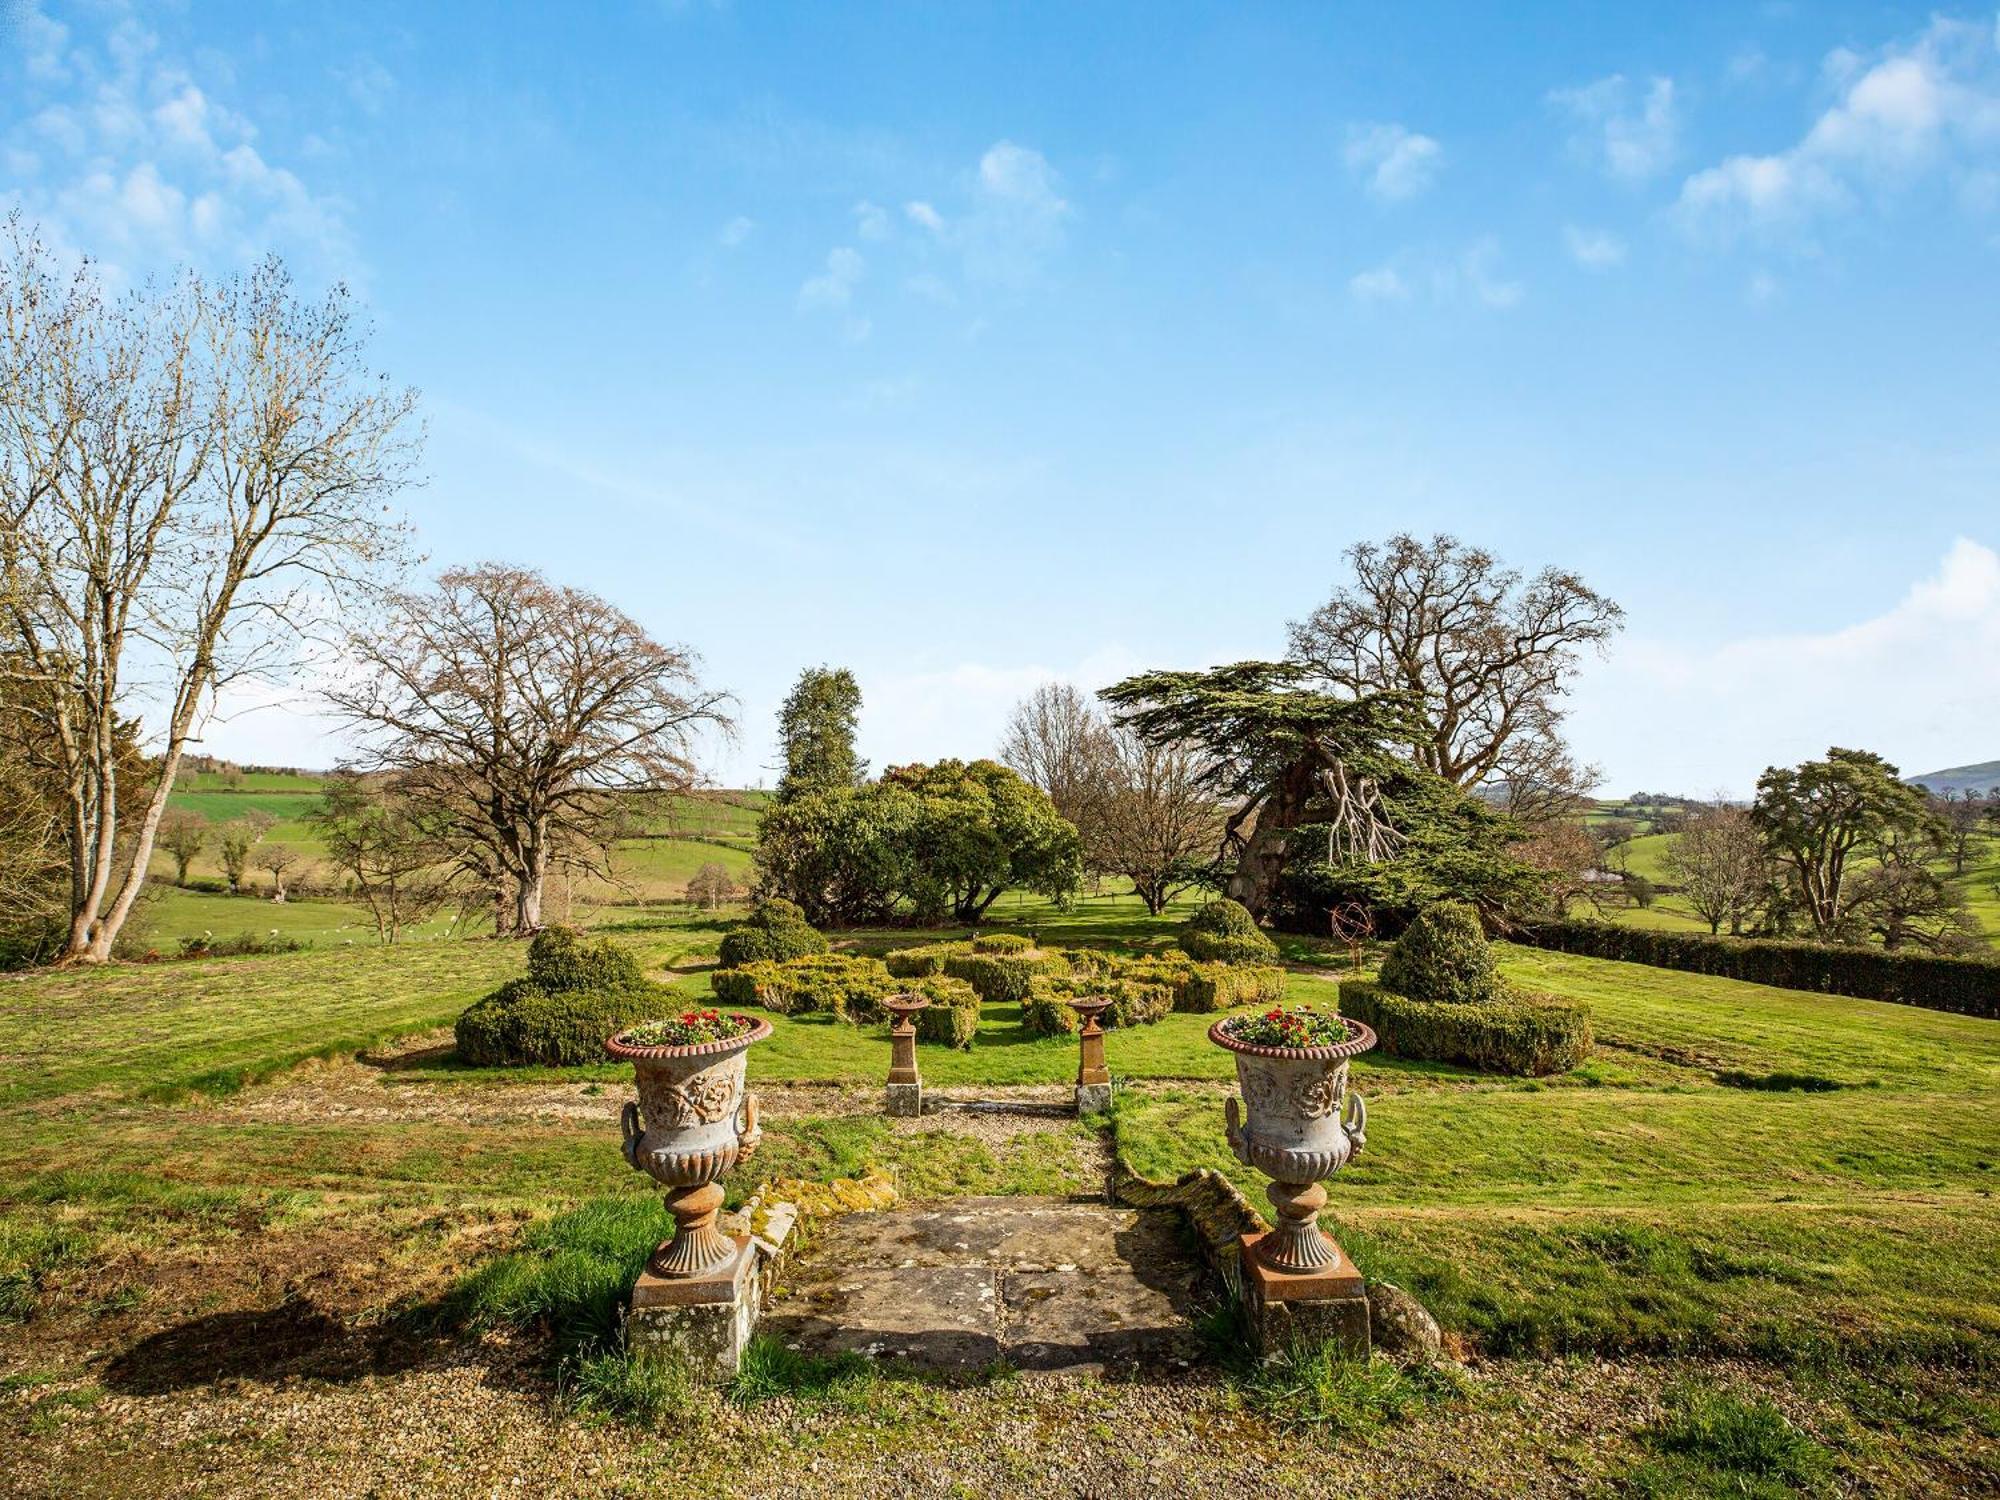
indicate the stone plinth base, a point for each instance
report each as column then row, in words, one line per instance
column 904, row 1100
column 1093, row 1098
column 704, row 1321
column 1318, row 1307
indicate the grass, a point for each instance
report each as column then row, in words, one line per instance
column 1713, row 1442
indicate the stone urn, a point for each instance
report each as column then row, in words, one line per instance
column 692, row 1122
column 1297, row 1123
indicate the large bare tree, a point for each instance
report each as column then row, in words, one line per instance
column 1488, row 654
column 1057, row 741
column 189, row 476
column 1160, row 824
column 1718, row 860
column 530, row 716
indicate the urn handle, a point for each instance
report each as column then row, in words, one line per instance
column 1354, row 1120
column 1232, row 1114
column 628, row 1122
column 748, row 1132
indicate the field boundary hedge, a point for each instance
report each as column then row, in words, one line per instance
column 1962, row 986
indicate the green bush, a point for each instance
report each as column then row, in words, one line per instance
column 922, row 962
column 953, row 1014
column 1044, row 1013
column 775, row 931
column 1219, row 986
column 1001, row 942
column 841, row 985
column 523, row 1024
column 562, row 960
column 1134, row 1001
column 1003, row 978
column 1512, row 1033
column 1224, row 931
column 1963, row 986
column 1443, row 956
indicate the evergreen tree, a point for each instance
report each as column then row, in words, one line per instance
column 816, row 733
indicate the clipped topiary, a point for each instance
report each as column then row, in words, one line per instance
column 562, row 960
column 1530, row 1035
column 1443, row 957
column 775, row 930
column 952, row 1017
column 1224, row 931
column 576, row 993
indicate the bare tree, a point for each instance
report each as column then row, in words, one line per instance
column 527, row 717
column 397, row 856
column 277, row 859
column 1488, row 654
column 1719, row 863
column 183, row 835
column 711, row 885
column 1962, row 818
column 187, row 476
column 1157, row 824
column 1058, row 742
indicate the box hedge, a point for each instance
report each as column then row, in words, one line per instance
column 924, row 961
column 841, row 985
column 776, row 930
column 1004, row 978
column 1224, row 986
column 1134, row 1002
column 1225, row 932
column 1001, row 942
column 1511, row 1033
column 576, row 993
column 1964, row 986
column 953, row 1014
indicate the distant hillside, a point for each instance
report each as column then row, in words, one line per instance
column 1979, row 778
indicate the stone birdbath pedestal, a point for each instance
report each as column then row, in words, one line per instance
column 1297, row 1123
column 693, row 1120
column 905, row 1095
column 1093, row 1079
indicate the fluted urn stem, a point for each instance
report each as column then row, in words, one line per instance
column 697, row 1244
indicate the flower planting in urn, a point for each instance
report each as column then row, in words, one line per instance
column 693, row 1121
column 1296, row 1121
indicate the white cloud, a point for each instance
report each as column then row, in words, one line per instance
column 833, row 288
column 735, row 232
column 1392, row 161
column 1383, row 284
column 1013, row 221
column 871, row 221
column 123, row 154
column 1928, row 106
column 1916, row 683
column 1629, row 134
column 1479, row 269
column 1594, row 249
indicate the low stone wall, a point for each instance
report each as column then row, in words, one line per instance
column 1219, row 1214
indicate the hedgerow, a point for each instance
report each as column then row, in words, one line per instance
column 1963, row 986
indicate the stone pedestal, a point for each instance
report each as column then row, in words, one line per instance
column 1093, row 1078
column 1093, row 1098
column 905, row 1097
column 1287, row 1309
column 904, row 1100
column 704, row 1321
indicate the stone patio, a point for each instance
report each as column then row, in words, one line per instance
column 1036, row 1283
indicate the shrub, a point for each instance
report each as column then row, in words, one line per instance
column 1224, row 931
column 841, row 985
column 1964, row 986
column 953, row 1014
column 1443, row 956
column 562, row 960
column 1512, row 1033
column 1001, row 942
column 1003, row 978
column 1134, row 1001
column 921, row 963
column 775, row 931
column 1213, row 987
column 523, row 1024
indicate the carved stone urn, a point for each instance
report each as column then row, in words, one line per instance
column 1297, row 1123
column 692, row 1122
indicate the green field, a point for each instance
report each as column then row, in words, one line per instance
column 1759, row 1191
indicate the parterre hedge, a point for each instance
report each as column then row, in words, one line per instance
column 1511, row 1033
column 924, row 961
column 953, row 1014
column 845, row 986
column 1134, row 1002
column 1964, row 986
column 1219, row 986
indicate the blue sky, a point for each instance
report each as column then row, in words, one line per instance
column 969, row 346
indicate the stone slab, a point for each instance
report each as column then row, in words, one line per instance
column 1037, row 1283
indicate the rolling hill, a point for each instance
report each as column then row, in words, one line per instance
column 1980, row 778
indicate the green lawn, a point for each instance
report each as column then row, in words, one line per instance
column 1799, row 1184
